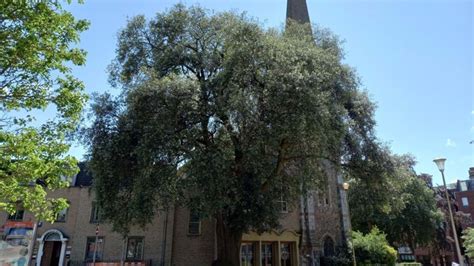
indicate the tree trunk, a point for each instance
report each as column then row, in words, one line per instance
column 228, row 244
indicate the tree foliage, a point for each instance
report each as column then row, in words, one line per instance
column 36, row 54
column 399, row 203
column 373, row 248
column 223, row 116
column 468, row 244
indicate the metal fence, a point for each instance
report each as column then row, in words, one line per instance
column 109, row 263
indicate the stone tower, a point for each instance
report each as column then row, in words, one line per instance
column 324, row 216
column 297, row 10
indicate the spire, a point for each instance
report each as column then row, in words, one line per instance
column 297, row 10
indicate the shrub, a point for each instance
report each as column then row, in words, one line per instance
column 373, row 248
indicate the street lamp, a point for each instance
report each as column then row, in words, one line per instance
column 345, row 186
column 440, row 163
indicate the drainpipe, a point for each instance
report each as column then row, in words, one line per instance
column 165, row 234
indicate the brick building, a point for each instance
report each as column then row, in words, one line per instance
column 461, row 193
column 464, row 193
column 309, row 231
column 312, row 229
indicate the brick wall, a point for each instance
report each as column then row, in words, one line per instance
column 196, row 250
column 78, row 227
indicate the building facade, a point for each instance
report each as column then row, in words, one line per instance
column 464, row 193
column 442, row 251
column 312, row 229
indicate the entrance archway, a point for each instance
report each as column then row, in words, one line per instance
column 52, row 248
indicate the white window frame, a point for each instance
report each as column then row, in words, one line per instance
column 191, row 222
column 95, row 213
column 63, row 212
column 465, row 201
column 136, row 238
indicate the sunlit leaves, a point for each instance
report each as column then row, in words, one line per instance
column 468, row 244
column 37, row 50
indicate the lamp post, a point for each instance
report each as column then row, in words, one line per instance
column 440, row 163
column 345, row 186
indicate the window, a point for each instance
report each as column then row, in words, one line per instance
column 463, row 186
column 323, row 199
column 17, row 216
column 194, row 227
column 95, row 213
column 283, row 205
column 99, row 249
column 267, row 254
column 465, row 202
column 286, row 254
column 61, row 218
column 135, row 248
column 247, row 254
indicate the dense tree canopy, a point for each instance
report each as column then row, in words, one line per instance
column 223, row 116
column 398, row 203
column 36, row 54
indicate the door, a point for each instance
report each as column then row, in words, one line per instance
column 51, row 253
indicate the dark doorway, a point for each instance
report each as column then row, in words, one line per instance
column 51, row 253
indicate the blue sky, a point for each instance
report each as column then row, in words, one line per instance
column 415, row 58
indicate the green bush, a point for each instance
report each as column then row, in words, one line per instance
column 373, row 248
column 468, row 244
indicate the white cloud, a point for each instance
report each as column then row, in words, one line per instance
column 450, row 143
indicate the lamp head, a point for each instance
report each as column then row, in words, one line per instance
column 440, row 163
column 345, row 186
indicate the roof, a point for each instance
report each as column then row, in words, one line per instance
column 451, row 186
column 84, row 177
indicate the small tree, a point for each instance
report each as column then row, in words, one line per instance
column 36, row 54
column 373, row 248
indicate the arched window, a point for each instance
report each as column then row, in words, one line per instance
column 328, row 246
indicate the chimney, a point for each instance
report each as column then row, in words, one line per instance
column 471, row 173
column 297, row 10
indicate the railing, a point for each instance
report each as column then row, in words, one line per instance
column 109, row 263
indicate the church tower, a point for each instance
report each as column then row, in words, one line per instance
column 324, row 217
column 297, row 10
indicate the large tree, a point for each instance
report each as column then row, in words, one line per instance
column 225, row 117
column 398, row 203
column 37, row 50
